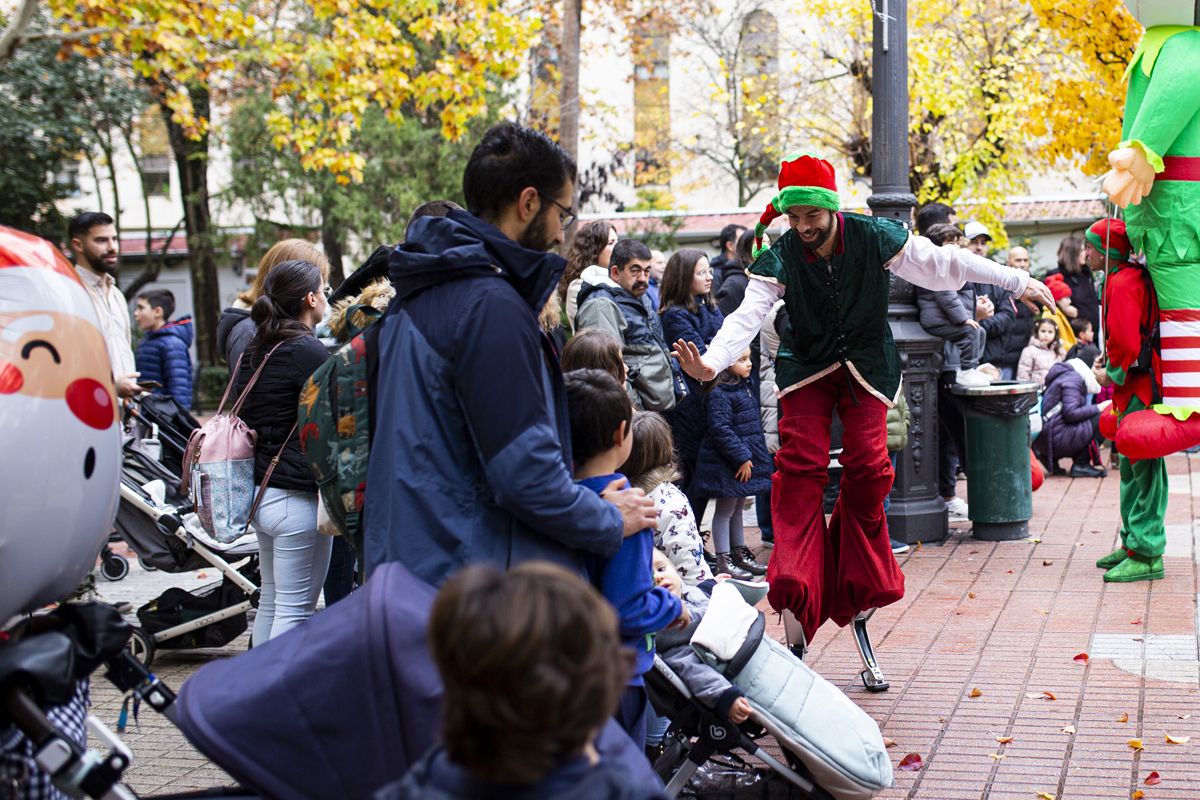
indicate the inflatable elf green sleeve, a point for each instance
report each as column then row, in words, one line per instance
column 1156, row 178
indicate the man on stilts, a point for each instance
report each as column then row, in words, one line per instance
column 832, row 271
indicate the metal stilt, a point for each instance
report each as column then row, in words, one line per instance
column 794, row 633
column 872, row 676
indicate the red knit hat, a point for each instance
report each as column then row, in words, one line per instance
column 804, row 180
column 1108, row 236
column 1058, row 287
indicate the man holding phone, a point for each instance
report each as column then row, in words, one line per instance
column 94, row 243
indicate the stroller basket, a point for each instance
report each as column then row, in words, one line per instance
column 178, row 606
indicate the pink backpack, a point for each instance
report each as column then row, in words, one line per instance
column 218, row 466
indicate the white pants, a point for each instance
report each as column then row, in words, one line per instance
column 292, row 558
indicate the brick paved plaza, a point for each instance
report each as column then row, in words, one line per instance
column 1007, row 619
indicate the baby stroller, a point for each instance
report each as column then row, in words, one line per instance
column 831, row 749
column 161, row 527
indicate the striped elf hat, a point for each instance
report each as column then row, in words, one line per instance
column 804, row 180
column 1108, row 236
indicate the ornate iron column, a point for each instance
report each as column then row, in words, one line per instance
column 917, row 512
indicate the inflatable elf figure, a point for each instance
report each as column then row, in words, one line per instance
column 1130, row 316
column 1156, row 179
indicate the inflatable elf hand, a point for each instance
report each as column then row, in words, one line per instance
column 1131, row 178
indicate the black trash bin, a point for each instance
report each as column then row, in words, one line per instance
column 999, row 484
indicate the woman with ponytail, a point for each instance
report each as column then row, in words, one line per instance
column 293, row 557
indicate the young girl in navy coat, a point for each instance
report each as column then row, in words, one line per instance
column 733, row 464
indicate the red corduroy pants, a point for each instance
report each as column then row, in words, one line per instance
column 833, row 572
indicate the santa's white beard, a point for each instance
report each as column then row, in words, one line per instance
column 59, row 482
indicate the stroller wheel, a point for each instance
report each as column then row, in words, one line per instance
column 145, row 566
column 141, row 646
column 114, row 567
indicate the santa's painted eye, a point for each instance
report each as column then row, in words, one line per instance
column 91, row 403
column 89, row 462
column 42, row 343
column 11, row 379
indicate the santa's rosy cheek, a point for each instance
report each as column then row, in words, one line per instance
column 11, row 379
column 91, row 402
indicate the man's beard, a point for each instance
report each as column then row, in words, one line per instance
column 536, row 237
column 100, row 265
column 821, row 239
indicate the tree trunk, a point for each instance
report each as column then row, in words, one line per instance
column 191, row 160
column 568, row 60
column 331, row 241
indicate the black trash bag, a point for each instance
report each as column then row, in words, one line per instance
column 729, row 777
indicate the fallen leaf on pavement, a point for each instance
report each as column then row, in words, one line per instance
column 1082, row 658
column 1010, row 572
column 1047, row 563
column 1034, row 541
column 971, row 595
column 1042, row 611
column 889, row 742
column 975, row 692
column 1123, row 718
column 1138, row 794
column 911, row 763
column 1136, row 744
column 1178, row 739
column 918, row 547
column 1137, row 621
column 1004, row 739
column 1185, row 716
column 1045, row 796
column 1153, row 779
column 1068, row 729
column 996, row 756
column 1049, row 695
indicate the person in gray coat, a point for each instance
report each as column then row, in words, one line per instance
column 950, row 315
column 615, row 301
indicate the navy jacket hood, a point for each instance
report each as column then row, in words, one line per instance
column 460, row 245
column 180, row 328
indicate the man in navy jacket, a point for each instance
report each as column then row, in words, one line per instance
column 470, row 459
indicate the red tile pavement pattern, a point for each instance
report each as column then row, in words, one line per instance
column 1009, row 618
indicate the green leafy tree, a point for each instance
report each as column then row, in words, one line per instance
column 404, row 165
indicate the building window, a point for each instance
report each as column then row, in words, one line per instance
column 155, row 153
column 66, row 179
column 156, row 170
column 651, row 105
column 758, row 77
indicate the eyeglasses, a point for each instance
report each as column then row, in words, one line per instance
column 566, row 217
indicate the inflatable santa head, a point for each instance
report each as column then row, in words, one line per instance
column 60, row 444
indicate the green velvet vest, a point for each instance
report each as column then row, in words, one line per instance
column 838, row 307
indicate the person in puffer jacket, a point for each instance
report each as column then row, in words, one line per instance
column 1070, row 422
column 1042, row 353
column 163, row 353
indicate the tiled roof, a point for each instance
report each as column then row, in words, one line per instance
column 700, row 224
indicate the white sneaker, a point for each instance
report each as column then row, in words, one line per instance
column 972, row 377
column 957, row 508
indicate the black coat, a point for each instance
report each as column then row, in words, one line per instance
column 1005, row 351
column 270, row 408
column 996, row 326
column 688, row 419
column 734, row 436
column 719, row 266
column 1068, row 419
column 1083, row 295
column 733, row 290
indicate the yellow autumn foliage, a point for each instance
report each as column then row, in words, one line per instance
column 999, row 90
column 326, row 61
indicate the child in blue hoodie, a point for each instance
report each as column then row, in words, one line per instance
column 601, row 441
column 163, row 357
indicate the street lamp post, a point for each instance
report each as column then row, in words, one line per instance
column 917, row 512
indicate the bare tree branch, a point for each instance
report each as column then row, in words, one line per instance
column 11, row 38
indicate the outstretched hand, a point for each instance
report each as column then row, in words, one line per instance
column 690, row 360
column 1037, row 292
